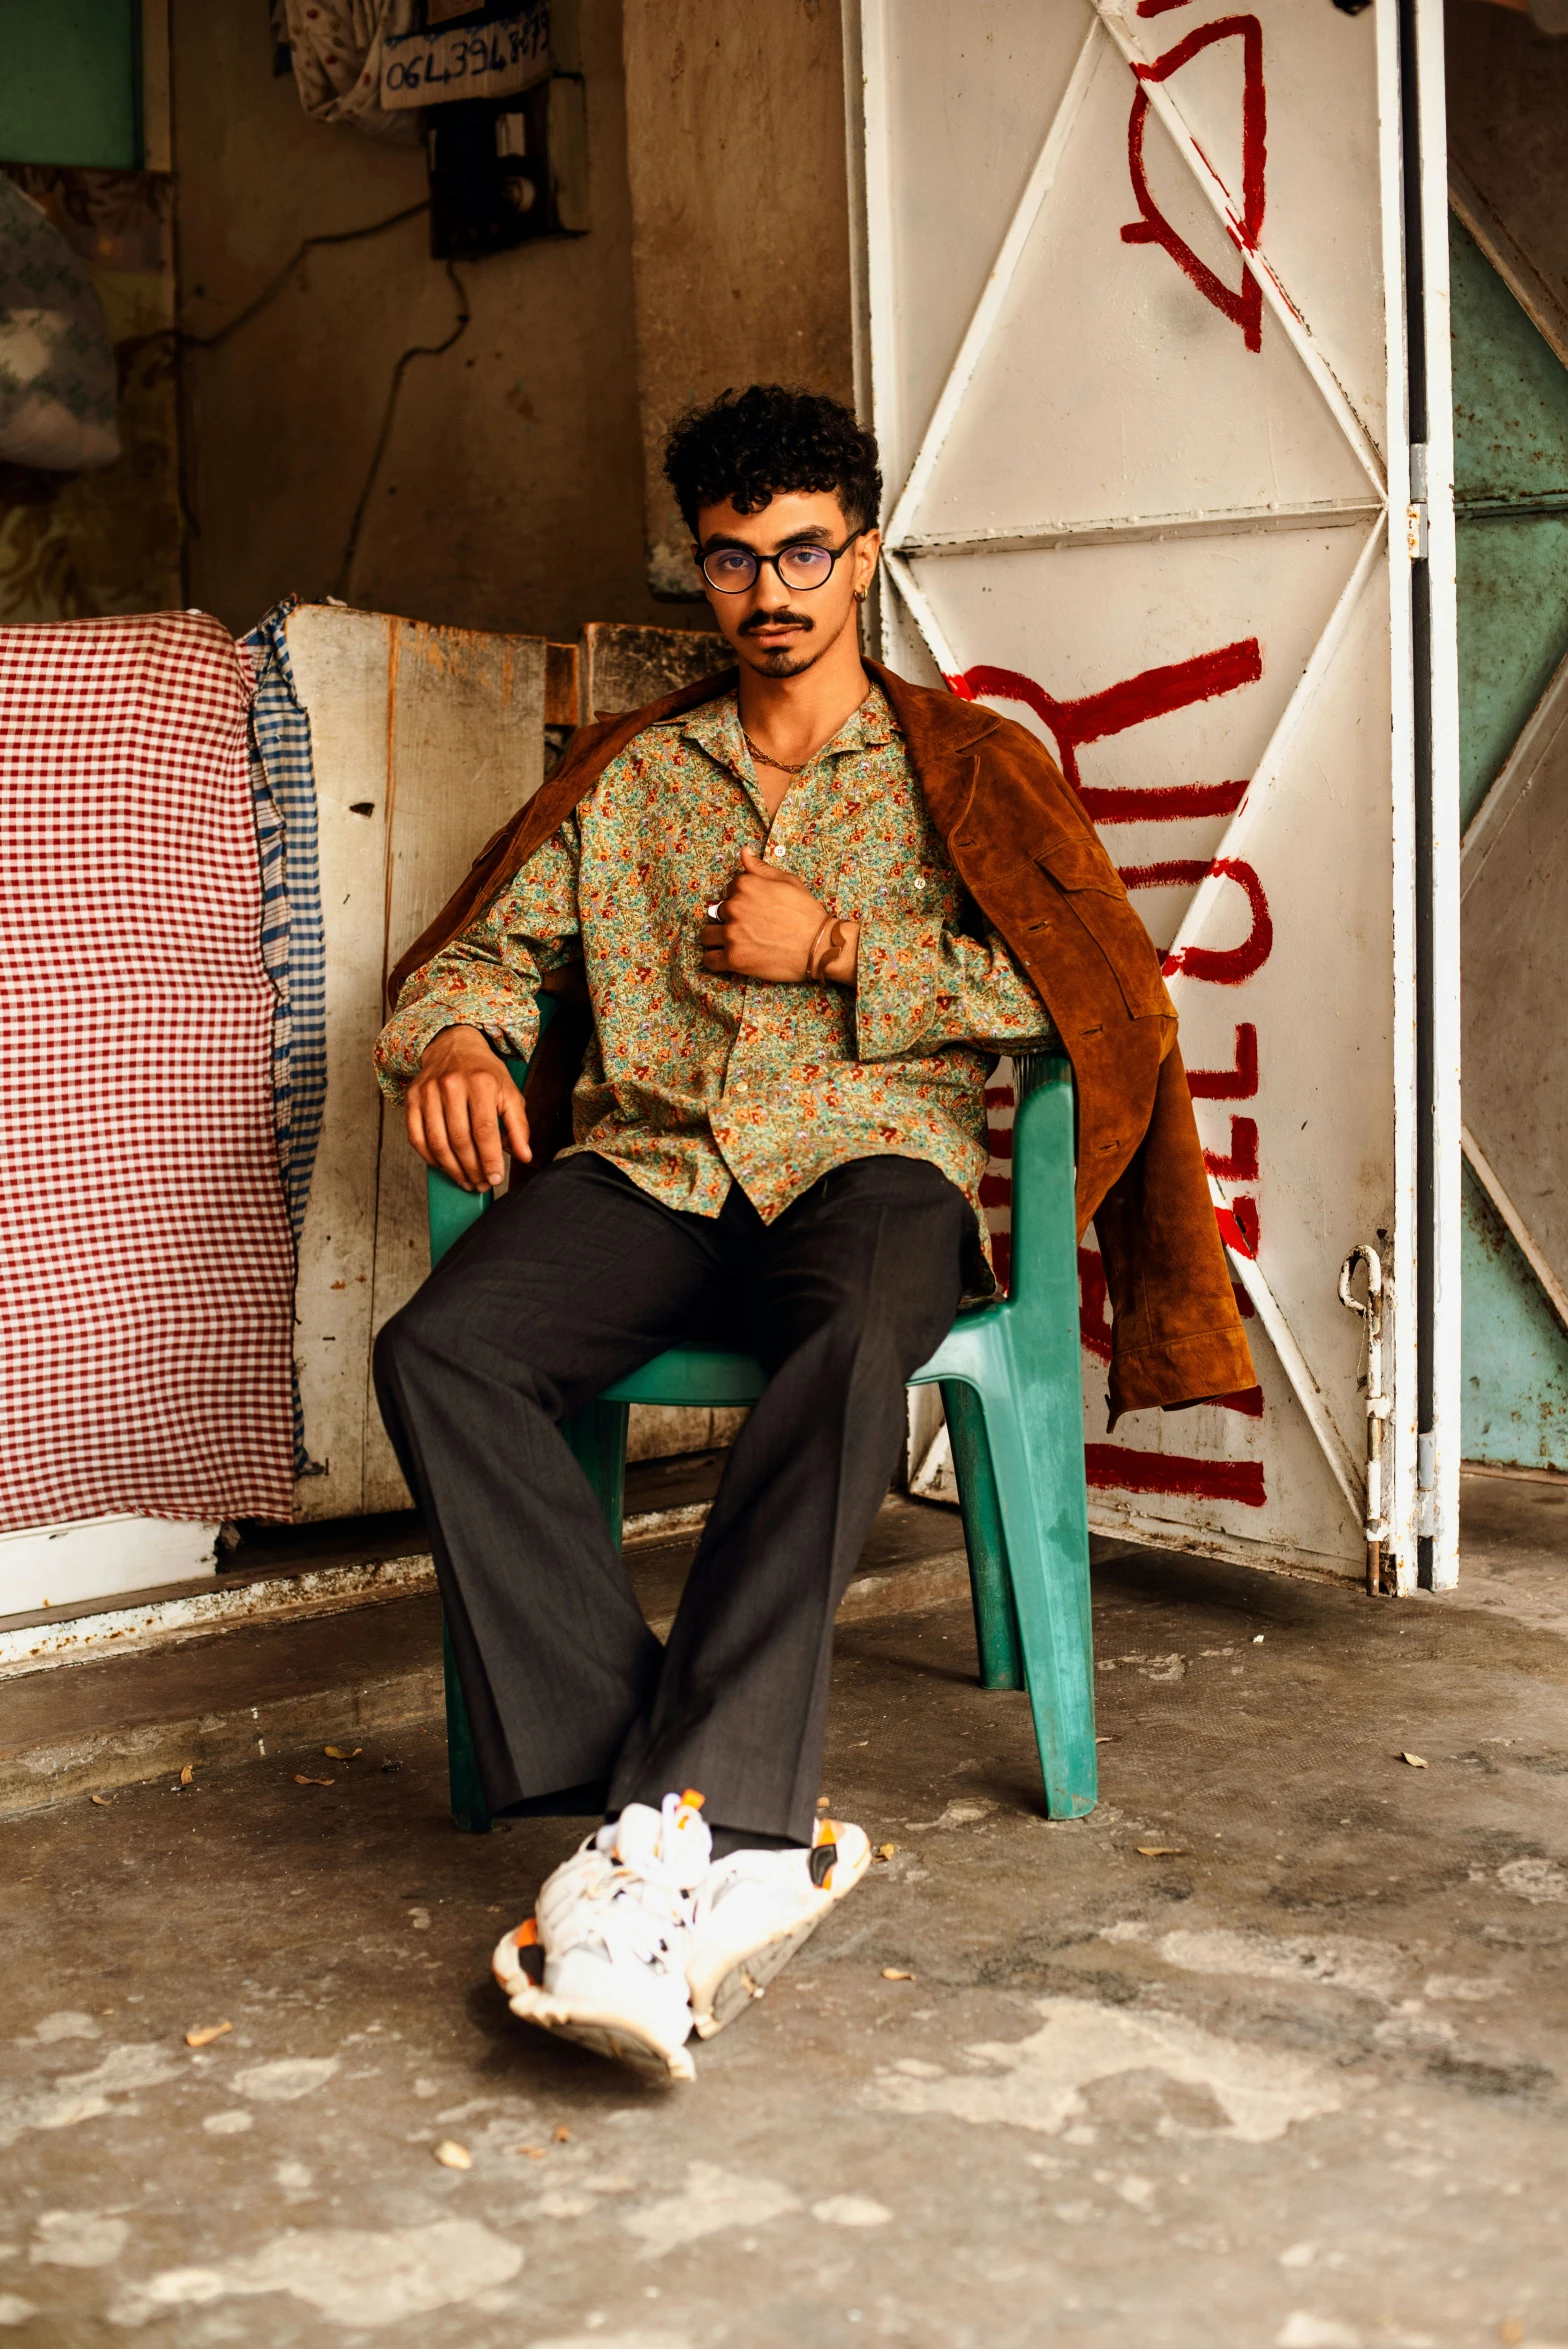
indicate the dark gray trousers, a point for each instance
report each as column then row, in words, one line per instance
column 565, row 1286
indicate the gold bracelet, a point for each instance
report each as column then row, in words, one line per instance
column 811, row 955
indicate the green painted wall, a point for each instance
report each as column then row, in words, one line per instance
column 1515, row 1349
column 69, row 84
column 1510, row 470
column 1511, row 494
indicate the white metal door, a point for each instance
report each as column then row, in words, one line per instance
column 1136, row 285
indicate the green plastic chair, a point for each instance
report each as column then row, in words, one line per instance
column 1010, row 1381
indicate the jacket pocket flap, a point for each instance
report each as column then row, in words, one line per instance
column 1078, row 864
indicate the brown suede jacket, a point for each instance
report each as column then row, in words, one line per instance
column 1030, row 858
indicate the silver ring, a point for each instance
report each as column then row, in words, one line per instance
column 713, row 911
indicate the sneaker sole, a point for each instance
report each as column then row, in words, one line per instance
column 605, row 2034
column 750, row 1975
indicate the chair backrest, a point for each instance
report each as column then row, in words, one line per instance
column 1044, row 1242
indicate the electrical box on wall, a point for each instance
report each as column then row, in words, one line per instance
column 504, row 171
column 505, row 120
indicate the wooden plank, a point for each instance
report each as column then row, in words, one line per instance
column 560, row 685
column 467, row 733
column 342, row 665
column 622, row 667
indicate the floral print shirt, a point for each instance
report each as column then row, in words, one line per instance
column 696, row 1079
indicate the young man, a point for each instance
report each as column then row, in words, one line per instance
column 810, row 902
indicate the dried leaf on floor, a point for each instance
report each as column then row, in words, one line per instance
column 1415, row 1761
column 187, row 1774
column 1162, row 1851
column 563, row 2136
column 105, row 1802
column 301, row 1780
column 206, row 2033
column 453, row 2156
column 897, row 1974
column 342, row 1753
column 884, row 1851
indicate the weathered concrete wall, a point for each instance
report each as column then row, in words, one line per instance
column 1507, row 91
column 510, row 493
column 740, row 216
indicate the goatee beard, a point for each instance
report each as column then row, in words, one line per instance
column 782, row 663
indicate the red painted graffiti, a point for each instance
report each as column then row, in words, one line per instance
column 1110, row 1468
column 1168, row 804
column 1241, row 1165
column 1153, row 693
column 1239, row 1226
column 1158, row 7
column 1229, row 1084
column 1245, row 307
column 1222, row 966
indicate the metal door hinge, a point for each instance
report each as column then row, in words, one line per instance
column 1415, row 512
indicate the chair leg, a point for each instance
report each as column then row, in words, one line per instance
column 1036, row 1442
column 597, row 1436
column 469, row 1811
column 990, row 1585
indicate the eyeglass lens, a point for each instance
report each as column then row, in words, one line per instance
column 731, row 569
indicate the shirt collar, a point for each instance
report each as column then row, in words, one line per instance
column 715, row 727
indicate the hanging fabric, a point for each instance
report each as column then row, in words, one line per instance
column 283, row 790
column 146, row 1316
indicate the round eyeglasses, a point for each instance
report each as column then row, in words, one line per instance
column 732, row 569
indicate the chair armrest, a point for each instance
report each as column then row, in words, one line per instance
column 449, row 1208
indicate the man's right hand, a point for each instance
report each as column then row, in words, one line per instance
column 464, row 1111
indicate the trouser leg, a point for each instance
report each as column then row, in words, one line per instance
column 561, row 1288
column 845, row 1294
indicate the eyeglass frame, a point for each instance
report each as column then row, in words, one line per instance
column 762, row 562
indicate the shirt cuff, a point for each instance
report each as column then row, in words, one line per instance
column 902, row 993
column 404, row 1041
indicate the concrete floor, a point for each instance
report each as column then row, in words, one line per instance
column 1265, row 2052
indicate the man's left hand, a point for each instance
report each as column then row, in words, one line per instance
column 768, row 925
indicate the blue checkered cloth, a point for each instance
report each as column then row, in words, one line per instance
column 293, row 939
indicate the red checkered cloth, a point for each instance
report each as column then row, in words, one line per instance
column 146, row 1264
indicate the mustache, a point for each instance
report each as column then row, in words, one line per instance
column 773, row 620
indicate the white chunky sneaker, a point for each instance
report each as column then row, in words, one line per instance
column 603, row 1960
column 754, row 1910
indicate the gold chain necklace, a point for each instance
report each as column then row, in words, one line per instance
column 768, row 760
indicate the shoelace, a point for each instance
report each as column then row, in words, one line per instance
column 642, row 1905
column 634, row 1918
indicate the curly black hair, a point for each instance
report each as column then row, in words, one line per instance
column 750, row 446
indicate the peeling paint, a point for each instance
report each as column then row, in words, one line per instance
column 1037, row 2083
column 229, row 2124
column 1534, row 1879
column 346, row 2274
column 711, row 2200
column 636, row 2340
column 290, row 2077
column 1368, row 1967
column 78, row 2238
column 1304, row 2331
column 850, row 2210
column 84, row 2096
column 69, row 2024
